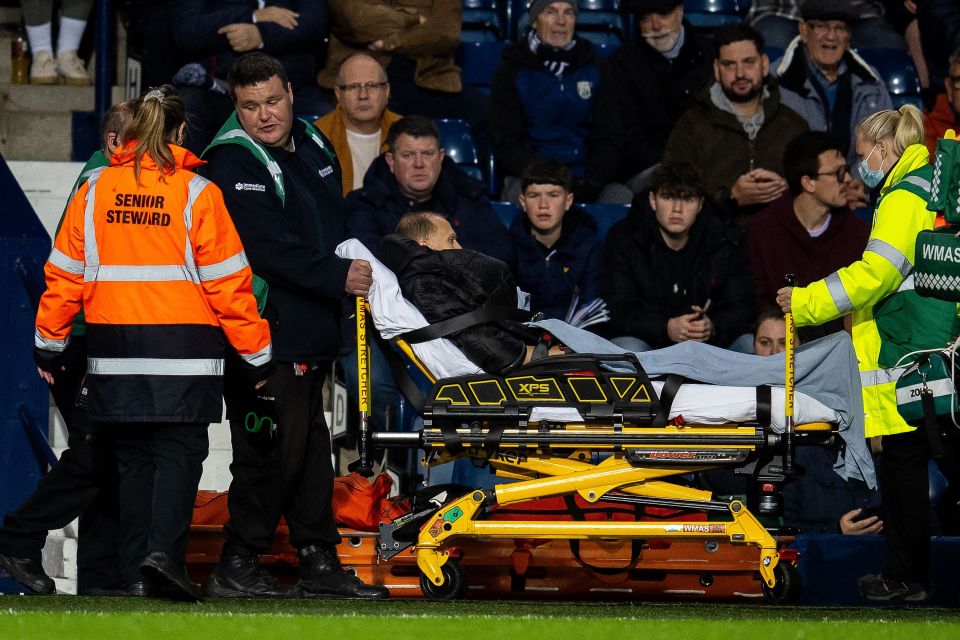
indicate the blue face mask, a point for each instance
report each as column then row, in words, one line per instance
column 871, row 178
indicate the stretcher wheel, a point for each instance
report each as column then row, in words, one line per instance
column 454, row 583
column 788, row 585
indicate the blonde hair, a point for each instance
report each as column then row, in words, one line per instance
column 160, row 112
column 903, row 126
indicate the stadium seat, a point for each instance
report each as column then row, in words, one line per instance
column 774, row 53
column 485, row 15
column 603, row 49
column 709, row 14
column 896, row 67
column 506, row 212
column 458, row 143
column 477, row 62
column 470, row 35
column 606, row 215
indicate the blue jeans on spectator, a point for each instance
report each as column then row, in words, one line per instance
column 743, row 344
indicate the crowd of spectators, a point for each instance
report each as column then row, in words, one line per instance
column 736, row 168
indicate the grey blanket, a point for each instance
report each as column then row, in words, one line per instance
column 826, row 369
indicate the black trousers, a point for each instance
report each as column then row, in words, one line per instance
column 83, row 483
column 160, row 468
column 905, row 496
column 289, row 475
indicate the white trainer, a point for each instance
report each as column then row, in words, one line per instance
column 71, row 68
column 43, row 69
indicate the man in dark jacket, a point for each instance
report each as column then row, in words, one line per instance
column 213, row 33
column 552, row 97
column 444, row 281
column 737, row 132
column 656, row 78
column 810, row 231
column 281, row 183
column 558, row 247
column 415, row 175
column 673, row 272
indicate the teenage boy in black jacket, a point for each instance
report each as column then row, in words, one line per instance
column 673, row 272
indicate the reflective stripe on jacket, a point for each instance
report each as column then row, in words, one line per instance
column 161, row 275
column 858, row 288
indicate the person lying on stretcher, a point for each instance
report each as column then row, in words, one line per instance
column 445, row 281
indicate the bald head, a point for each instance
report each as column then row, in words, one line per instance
column 362, row 92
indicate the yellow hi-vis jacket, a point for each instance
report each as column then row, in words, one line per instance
column 886, row 263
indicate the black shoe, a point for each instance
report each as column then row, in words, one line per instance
column 243, row 577
column 321, row 576
column 170, row 577
column 29, row 573
column 880, row 588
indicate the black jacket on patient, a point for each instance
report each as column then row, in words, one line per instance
column 447, row 284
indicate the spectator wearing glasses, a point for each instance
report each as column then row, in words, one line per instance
column 359, row 124
column 777, row 21
column 810, row 231
column 946, row 111
column 827, row 83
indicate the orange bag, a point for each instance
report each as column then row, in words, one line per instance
column 359, row 503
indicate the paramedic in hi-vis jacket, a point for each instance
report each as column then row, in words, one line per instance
column 149, row 252
column 889, row 321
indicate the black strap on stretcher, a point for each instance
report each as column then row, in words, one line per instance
column 499, row 306
column 764, row 405
column 636, row 544
column 667, row 394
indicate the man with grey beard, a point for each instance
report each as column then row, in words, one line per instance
column 656, row 78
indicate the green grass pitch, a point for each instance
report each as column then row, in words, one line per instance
column 77, row 618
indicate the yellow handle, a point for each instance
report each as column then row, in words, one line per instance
column 363, row 358
column 791, row 340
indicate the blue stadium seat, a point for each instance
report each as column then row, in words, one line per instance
column 774, row 53
column 709, row 14
column 458, row 143
column 606, row 215
column 506, row 212
column 603, row 49
column 470, row 35
column 896, row 68
column 477, row 62
column 485, row 15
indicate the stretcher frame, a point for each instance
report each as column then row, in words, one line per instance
column 560, row 461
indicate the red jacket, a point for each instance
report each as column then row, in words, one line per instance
column 160, row 273
column 937, row 121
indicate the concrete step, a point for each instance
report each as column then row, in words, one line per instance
column 36, row 122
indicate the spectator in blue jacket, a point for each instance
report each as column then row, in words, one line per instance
column 551, row 97
column 558, row 247
column 415, row 175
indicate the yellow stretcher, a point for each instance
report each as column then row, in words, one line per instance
column 488, row 417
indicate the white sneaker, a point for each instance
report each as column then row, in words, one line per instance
column 71, row 68
column 43, row 69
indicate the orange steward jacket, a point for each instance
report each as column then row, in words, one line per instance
column 161, row 275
